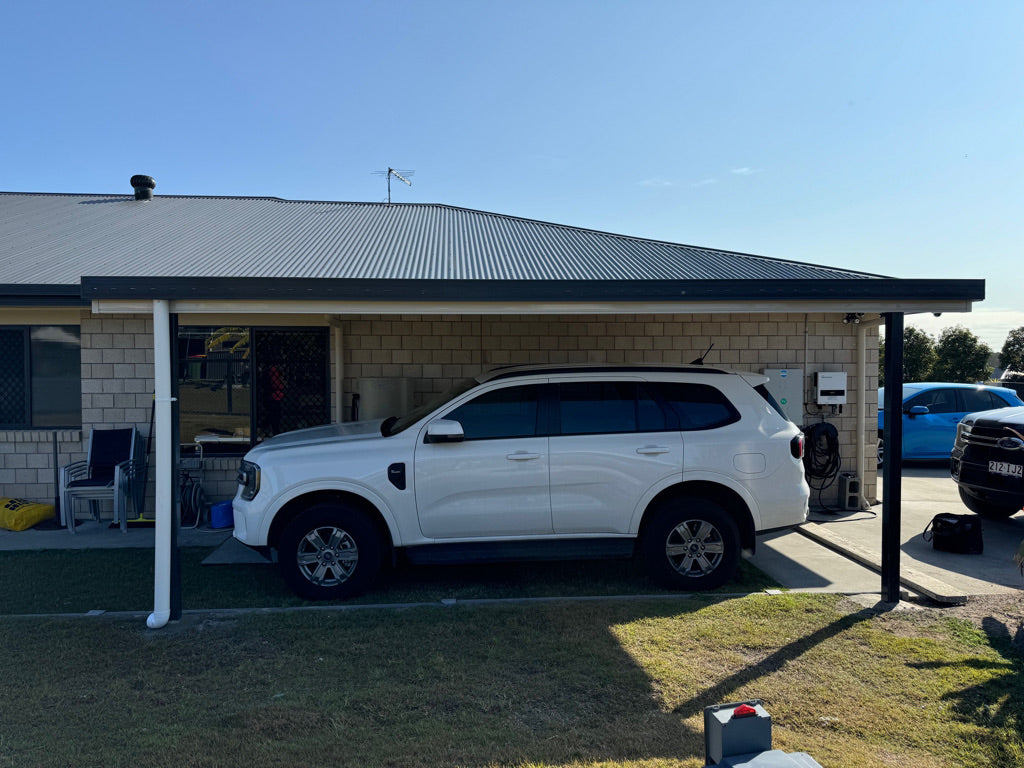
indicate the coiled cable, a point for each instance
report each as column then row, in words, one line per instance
column 821, row 456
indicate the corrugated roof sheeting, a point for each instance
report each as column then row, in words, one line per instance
column 56, row 239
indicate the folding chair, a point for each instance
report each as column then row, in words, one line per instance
column 112, row 470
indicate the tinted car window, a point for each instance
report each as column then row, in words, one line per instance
column 597, row 407
column 935, row 400
column 508, row 412
column 981, row 400
column 697, row 406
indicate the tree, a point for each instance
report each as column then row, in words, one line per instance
column 1012, row 356
column 961, row 357
column 918, row 356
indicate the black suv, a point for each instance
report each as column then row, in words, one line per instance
column 988, row 461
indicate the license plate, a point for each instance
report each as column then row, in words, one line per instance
column 1002, row 468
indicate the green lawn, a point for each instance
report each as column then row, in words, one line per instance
column 609, row 683
column 565, row 683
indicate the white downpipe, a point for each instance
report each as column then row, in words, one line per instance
column 164, row 450
column 862, row 406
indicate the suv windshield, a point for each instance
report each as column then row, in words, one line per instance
column 393, row 426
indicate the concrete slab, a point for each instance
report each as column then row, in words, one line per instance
column 927, row 491
column 798, row 563
column 99, row 535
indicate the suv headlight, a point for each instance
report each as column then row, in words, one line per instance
column 249, row 479
column 963, row 430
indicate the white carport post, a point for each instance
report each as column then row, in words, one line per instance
column 163, row 429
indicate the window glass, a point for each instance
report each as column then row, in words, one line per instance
column 651, row 414
column 697, row 406
column 500, row 413
column 237, row 383
column 214, row 386
column 936, row 400
column 980, row 400
column 597, row 407
column 40, row 377
column 56, row 376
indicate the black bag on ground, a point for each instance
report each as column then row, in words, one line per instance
column 955, row 533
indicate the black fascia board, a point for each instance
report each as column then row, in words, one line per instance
column 41, row 295
column 312, row 289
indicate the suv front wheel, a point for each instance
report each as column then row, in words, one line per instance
column 329, row 552
column 691, row 544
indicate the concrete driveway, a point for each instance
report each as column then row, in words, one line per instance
column 842, row 552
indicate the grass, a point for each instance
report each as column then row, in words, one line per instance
column 611, row 683
column 77, row 581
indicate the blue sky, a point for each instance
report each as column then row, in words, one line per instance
column 877, row 136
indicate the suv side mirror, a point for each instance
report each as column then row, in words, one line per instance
column 918, row 410
column 444, row 431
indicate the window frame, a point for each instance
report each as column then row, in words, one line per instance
column 27, row 421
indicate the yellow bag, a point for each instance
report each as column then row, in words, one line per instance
column 19, row 515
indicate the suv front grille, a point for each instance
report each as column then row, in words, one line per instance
column 980, row 443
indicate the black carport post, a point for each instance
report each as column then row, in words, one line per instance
column 892, row 470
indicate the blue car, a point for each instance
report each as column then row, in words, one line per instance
column 931, row 411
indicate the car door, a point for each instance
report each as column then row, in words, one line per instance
column 494, row 480
column 610, row 447
column 930, row 435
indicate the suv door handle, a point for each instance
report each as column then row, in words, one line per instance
column 652, row 450
column 522, row 456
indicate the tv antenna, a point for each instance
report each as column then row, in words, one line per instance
column 398, row 174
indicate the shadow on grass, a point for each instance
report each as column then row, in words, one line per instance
column 995, row 703
column 78, row 581
column 496, row 685
column 615, row 682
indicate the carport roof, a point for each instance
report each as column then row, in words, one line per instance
column 61, row 249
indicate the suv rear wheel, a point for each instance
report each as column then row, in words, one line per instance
column 691, row 544
column 329, row 552
column 985, row 508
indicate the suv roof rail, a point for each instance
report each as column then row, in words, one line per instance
column 505, row 372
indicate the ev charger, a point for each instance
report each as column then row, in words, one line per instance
column 830, row 387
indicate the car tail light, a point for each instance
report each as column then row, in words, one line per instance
column 796, row 446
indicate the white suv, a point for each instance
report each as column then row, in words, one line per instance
column 681, row 465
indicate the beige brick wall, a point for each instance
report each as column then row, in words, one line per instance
column 435, row 351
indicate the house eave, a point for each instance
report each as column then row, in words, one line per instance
column 41, row 295
column 879, row 291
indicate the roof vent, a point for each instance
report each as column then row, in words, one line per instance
column 143, row 186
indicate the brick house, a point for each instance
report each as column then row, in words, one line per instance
column 279, row 313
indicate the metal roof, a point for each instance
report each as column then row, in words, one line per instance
column 73, row 249
column 55, row 239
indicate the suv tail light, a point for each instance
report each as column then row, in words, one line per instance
column 796, row 446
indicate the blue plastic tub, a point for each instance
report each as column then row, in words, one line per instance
column 221, row 515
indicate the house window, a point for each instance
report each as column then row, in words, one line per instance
column 238, row 385
column 40, row 377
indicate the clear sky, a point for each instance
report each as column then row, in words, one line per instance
column 883, row 136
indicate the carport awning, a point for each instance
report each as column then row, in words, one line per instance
column 316, row 296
